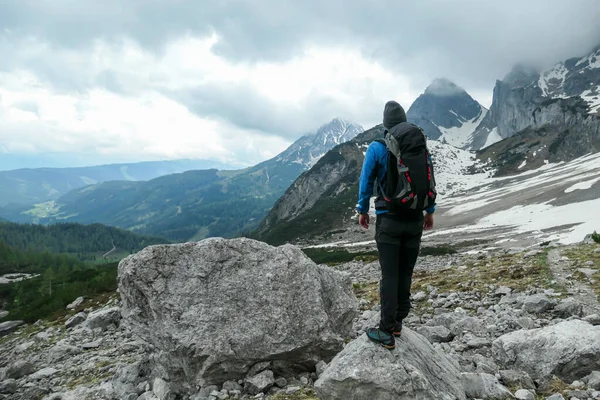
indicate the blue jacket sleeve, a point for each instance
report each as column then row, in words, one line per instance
column 367, row 180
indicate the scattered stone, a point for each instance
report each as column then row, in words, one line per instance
column 42, row 374
column 321, row 367
column 593, row 380
column 92, row 345
column 3, row 314
column 537, row 304
column 75, row 320
column 569, row 350
column 502, row 291
column 162, row 390
column 259, row 383
column 484, row 386
column 103, row 318
column 9, row 327
column 413, row 370
column 419, row 296
column 232, row 385
column 76, row 303
column 524, row 394
column 281, row 382
column 175, row 296
column 8, row 386
column 19, row 369
column 593, row 319
column 292, row 390
column 589, row 263
column 436, row 334
column 513, row 378
column 568, row 307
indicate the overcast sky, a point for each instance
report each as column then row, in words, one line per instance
column 239, row 80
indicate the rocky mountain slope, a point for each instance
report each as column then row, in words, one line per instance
column 194, row 204
column 447, row 113
column 524, row 90
column 495, row 325
column 37, row 185
column 323, row 199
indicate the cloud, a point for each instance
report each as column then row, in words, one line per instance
column 242, row 79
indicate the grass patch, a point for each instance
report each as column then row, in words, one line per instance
column 437, row 250
column 304, row 394
column 580, row 255
column 367, row 291
column 511, row 270
column 338, row 256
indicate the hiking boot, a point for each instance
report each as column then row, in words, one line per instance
column 397, row 330
column 381, row 337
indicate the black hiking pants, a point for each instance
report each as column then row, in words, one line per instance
column 398, row 242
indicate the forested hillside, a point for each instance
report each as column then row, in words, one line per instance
column 87, row 242
column 68, row 260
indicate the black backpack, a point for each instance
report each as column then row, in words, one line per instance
column 410, row 182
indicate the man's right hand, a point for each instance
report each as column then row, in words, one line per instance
column 363, row 220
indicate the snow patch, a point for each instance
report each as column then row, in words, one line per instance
column 493, row 137
column 461, row 135
column 582, row 185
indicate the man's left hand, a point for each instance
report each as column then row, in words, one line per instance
column 428, row 223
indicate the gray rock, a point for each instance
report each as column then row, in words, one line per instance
column 593, row 319
column 419, row 296
column 281, row 382
column 162, row 390
column 3, row 314
column 538, row 303
column 292, row 390
column 232, row 385
column 484, row 386
column 19, row 369
column 436, row 334
column 414, row 370
column 92, row 345
column 75, row 320
column 9, row 327
column 568, row 307
column 502, row 291
column 569, row 350
column 76, row 303
column 42, row 374
column 259, row 367
column 103, row 318
column 201, row 303
column 593, row 380
column 61, row 351
column 321, row 367
column 513, row 378
column 259, row 383
column 524, row 394
column 8, row 386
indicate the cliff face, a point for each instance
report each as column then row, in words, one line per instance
column 560, row 130
column 518, row 98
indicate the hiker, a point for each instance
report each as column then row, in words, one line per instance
column 402, row 195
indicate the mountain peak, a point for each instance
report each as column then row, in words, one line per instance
column 443, row 87
column 310, row 148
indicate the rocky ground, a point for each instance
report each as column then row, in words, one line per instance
column 516, row 324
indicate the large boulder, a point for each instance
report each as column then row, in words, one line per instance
column 213, row 309
column 414, row 370
column 569, row 350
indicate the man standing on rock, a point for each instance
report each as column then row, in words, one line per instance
column 402, row 196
